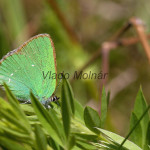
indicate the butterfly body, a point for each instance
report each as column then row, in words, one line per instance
column 22, row 69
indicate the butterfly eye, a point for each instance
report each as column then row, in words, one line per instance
column 54, row 99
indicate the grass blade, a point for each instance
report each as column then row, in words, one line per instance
column 136, row 136
column 40, row 138
column 139, row 108
column 47, row 120
column 66, row 107
column 10, row 144
column 18, row 111
column 143, row 115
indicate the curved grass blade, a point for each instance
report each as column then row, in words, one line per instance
column 67, row 106
column 69, row 94
column 11, row 118
column 117, row 139
column 14, row 103
column 48, row 121
column 84, row 145
column 53, row 144
column 10, row 144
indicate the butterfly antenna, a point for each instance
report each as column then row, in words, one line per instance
column 59, row 83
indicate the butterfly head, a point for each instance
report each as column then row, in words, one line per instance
column 48, row 104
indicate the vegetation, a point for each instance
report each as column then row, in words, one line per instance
column 69, row 127
column 88, row 36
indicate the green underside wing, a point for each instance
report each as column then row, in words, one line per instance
column 22, row 69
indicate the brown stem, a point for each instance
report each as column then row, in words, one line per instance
column 106, row 47
column 139, row 27
column 119, row 33
column 130, row 41
column 121, row 42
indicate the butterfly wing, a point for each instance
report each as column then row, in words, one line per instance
column 22, row 69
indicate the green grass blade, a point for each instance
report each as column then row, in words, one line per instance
column 71, row 142
column 136, row 136
column 14, row 121
column 143, row 115
column 10, row 144
column 148, row 136
column 118, row 139
column 84, row 145
column 41, row 141
column 47, row 120
column 70, row 96
column 53, row 144
column 66, row 108
column 139, row 108
column 18, row 111
column 79, row 110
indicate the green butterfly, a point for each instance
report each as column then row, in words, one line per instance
column 22, row 69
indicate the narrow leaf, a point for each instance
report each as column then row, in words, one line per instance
column 118, row 139
column 136, row 135
column 40, row 138
column 92, row 119
column 134, row 127
column 53, row 144
column 13, row 120
column 66, row 108
column 14, row 103
column 10, row 144
column 139, row 108
column 85, row 145
column 71, row 142
column 148, row 136
column 47, row 120
column 79, row 110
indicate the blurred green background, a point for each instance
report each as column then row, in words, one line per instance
column 78, row 28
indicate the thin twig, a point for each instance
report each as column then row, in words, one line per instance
column 106, row 47
column 139, row 26
column 63, row 20
column 130, row 41
column 121, row 42
column 121, row 31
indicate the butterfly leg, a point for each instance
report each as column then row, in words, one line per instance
column 27, row 102
column 57, row 102
column 48, row 105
